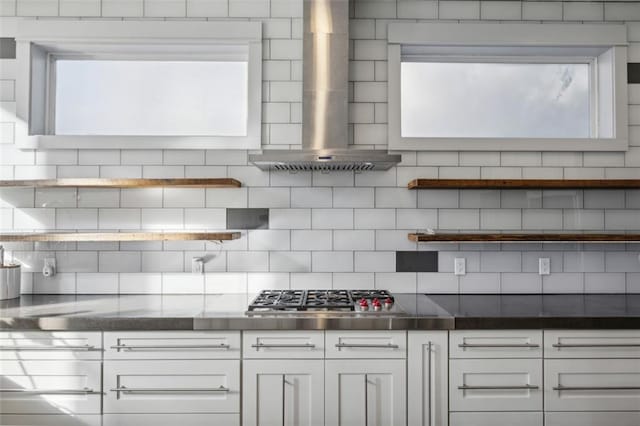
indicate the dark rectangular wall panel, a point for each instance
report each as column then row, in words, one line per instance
column 247, row 218
column 416, row 261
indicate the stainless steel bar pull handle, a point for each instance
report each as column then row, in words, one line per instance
column 596, row 345
column 499, row 345
column 365, row 345
column 168, row 390
column 514, row 387
column 595, row 388
column 84, row 391
column 131, row 347
column 48, row 348
column 283, row 345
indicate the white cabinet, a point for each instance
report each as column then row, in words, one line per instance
column 274, row 344
column 182, row 419
column 50, row 387
column 172, row 386
column 365, row 392
column 592, row 384
column 283, row 392
column 172, row 345
column 592, row 344
column 43, row 345
column 427, row 364
column 592, row 419
column 495, row 344
column 366, row 344
column 496, row 418
column 50, row 420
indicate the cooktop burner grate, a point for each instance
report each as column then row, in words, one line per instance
column 303, row 300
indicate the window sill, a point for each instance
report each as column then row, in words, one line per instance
column 506, row 144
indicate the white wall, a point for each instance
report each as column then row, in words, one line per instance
column 338, row 229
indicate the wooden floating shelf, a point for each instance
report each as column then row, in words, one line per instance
column 120, row 236
column 524, row 184
column 500, row 238
column 124, row 183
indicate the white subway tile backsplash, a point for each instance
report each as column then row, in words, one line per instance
column 420, row 219
column 62, row 283
column 332, row 261
column 290, row 261
column 257, row 281
column 525, row 199
column 88, row 197
column 269, row 197
column 311, row 280
column 394, row 240
column 55, row 197
column 480, row 283
column 140, row 283
column 577, row 219
column 397, row 282
column 97, row 283
column 311, row 240
column 162, row 261
column 395, row 198
column 374, row 218
column 542, row 219
column 119, row 218
column 263, row 239
column 141, row 197
column 207, row 8
column 353, row 240
column 332, row 218
column 605, row 283
column 353, row 197
column 76, row 218
column 227, row 197
column 553, row 199
column 489, row 198
column 622, row 219
column 311, row 197
column 622, row 261
column 436, row 283
column 541, row 11
column 583, row 11
column 501, row 219
column 378, row 261
column 205, row 219
column 34, row 219
column 119, row 261
column 458, row 219
column 227, row 282
column 561, row 283
column 182, row 284
column 530, row 261
column 115, row 172
column 520, row 283
column 500, row 261
column 332, row 179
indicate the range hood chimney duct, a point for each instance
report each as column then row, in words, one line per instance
column 325, row 109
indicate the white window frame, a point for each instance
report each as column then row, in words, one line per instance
column 609, row 129
column 40, row 43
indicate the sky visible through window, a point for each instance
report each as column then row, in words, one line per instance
column 170, row 98
column 495, row 100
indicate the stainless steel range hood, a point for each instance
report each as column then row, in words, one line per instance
column 325, row 93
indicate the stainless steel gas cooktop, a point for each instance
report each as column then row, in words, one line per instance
column 286, row 301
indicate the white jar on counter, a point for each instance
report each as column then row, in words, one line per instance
column 10, row 281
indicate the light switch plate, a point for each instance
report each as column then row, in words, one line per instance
column 459, row 266
column 544, row 266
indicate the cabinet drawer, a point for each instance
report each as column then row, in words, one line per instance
column 50, row 387
column 172, row 345
column 495, row 344
column 366, row 344
column 592, row 384
column 495, row 385
column 49, row 420
column 22, row 345
column 592, row 419
column 496, row 418
column 192, row 386
column 283, row 344
column 171, row 419
column 592, row 344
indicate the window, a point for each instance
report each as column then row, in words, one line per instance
column 181, row 85
column 493, row 92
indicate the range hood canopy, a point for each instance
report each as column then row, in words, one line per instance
column 325, row 109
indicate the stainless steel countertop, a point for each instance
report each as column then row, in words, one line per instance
column 228, row 312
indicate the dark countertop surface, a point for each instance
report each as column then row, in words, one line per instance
column 228, row 312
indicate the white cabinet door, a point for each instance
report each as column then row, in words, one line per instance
column 50, row 420
column 283, row 392
column 361, row 392
column 172, row 345
column 366, row 344
column 50, row 387
column 592, row 384
column 495, row 384
column 427, row 363
column 172, row 386
column 496, row 418
column 170, row 420
column 629, row 418
column 592, row 344
column 288, row 344
column 495, row 344
column 69, row 345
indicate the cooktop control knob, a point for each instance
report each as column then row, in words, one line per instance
column 364, row 306
column 377, row 306
column 388, row 303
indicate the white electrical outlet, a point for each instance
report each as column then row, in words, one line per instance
column 197, row 265
column 544, row 266
column 49, row 267
column 459, row 266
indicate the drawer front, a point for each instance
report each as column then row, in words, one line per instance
column 50, row 387
column 172, row 345
column 495, row 385
column 496, row 418
column 592, row 344
column 592, row 384
column 25, row 345
column 495, row 344
column 592, row 419
column 172, row 386
column 279, row 344
column 49, row 420
column 366, row 344
column 171, row 419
